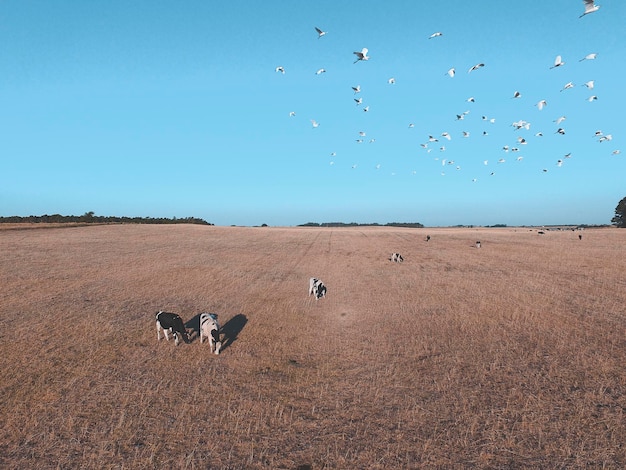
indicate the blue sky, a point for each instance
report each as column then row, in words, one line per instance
column 174, row 109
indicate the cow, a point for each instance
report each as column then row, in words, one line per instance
column 210, row 328
column 478, row 244
column 396, row 258
column 317, row 288
column 171, row 323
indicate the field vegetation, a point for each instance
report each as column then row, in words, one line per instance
column 507, row 356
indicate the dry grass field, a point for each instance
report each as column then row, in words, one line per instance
column 508, row 356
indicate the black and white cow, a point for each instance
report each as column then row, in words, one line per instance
column 210, row 328
column 396, row 258
column 171, row 323
column 478, row 245
column 317, row 288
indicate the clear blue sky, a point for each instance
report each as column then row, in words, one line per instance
column 174, row 109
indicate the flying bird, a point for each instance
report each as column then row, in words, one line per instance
column 366, row 109
column 558, row 62
column 280, row 69
column 517, row 94
column 589, row 57
column 434, row 35
column 357, row 89
column 362, row 55
column 292, row 113
column 471, row 99
column 446, row 135
column 541, row 104
column 320, row 71
column 315, row 123
column 320, row 33
column 560, row 130
column 391, row 81
column 590, row 7
column 567, row 85
column 590, row 84
column 616, row 152
column 559, row 120
column 451, row 72
column 592, row 98
column 475, row 67
column 358, row 101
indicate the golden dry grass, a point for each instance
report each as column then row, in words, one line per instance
column 508, row 356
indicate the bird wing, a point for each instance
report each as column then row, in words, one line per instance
column 319, row 31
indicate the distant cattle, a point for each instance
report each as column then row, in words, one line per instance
column 210, row 328
column 427, row 238
column 171, row 323
column 396, row 258
column 317, row 288
column 478, row 245
column 541, row 232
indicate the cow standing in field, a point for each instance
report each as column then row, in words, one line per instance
column 317, row 288
column 210, row 328
column 171, row 323
column 396, row 258
column 478, row 245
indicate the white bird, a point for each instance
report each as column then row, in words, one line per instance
column 411, row 125
column 590, row 84
column 320, row 33
column 567, row 86
column 485, row 162
column 505, row 148
column 568, row 155
column 362, row 133
column 451, row 72
column 502, row 160
column 558, row 62
column 280, row 69
column 539, row 134
column 391, row 81
column 446, row 135
column 357, row 89
column 315, row 123
column 541, row 104
column 466, row 134
column 559, row 120
column 434, row 35
column 559, row 162
column 517, row 94
column 362, row 55
column 471, row 100
column 592, row 98
column 475, row 67
column 589, row 56
column 432, row 139
column 607, row 137
column 320, row 71
column 520, row 158
column 521, row 141
column 292, row 113
column 616, row 152
column 366, row 109
column 560, row 130
column 358, row 101
column 442, row 148
column 590, row 7
column 460, row 117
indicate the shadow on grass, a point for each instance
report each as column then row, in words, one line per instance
column 232, row 328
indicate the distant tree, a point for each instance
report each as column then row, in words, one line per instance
column 620, row 214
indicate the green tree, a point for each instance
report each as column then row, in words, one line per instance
column 620, row 214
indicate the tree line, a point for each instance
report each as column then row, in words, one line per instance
column 91, row 218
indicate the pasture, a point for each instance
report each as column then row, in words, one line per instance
column 512, row 355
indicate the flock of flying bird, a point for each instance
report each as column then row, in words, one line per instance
column 362, row 56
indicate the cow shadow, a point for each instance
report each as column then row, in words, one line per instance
column 193, row 324
column 232, row 328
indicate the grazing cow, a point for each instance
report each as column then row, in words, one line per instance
column 171, row 323
column 396, row 258
column 427, row 238
column 210, row 328
column 478, row 244
column 317, row 288
column 580, row 237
